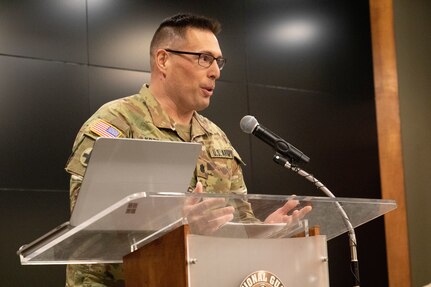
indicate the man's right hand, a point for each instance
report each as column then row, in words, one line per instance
column 205, row 216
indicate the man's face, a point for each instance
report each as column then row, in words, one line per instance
column 189, row 85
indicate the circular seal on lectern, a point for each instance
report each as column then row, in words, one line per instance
column 262, row 279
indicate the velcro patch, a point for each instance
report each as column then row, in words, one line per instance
column 104, row 129
column 221, row 153
column 85, row 156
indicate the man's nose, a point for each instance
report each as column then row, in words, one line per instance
column 214, row 71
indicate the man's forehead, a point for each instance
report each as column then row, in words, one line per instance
column 201, row 40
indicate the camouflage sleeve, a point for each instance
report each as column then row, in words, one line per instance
column 94, row 275
column 75, row 186
column 243, row 209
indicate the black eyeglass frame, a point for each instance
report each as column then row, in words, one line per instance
column 221, row 61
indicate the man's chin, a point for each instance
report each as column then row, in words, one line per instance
column 202, row 106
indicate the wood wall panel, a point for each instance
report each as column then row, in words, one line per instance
column 389, row 135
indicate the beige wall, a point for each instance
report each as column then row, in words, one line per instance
column 413, row 44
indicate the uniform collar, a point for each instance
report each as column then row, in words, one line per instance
column 200, row 124
column 159, row 117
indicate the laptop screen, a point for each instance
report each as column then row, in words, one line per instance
column 120, row 167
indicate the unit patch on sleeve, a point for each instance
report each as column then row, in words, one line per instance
column 104, row 129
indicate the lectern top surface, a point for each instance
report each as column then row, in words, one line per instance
column 138, row 219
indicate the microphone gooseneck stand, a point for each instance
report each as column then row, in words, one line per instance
column 354, row 265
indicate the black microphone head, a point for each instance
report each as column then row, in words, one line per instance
column 248, row 124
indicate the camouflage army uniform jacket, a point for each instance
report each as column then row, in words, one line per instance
column 140, row 116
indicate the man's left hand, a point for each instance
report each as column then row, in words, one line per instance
column 282, row 215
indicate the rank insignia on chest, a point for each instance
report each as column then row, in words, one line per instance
column 104, row 129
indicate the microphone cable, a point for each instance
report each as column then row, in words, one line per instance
column 354, row 263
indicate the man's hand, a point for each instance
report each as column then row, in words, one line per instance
column 281, row 214
column 206, row 216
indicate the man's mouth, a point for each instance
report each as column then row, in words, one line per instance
column 208, row 90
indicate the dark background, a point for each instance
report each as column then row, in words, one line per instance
column 302, row 68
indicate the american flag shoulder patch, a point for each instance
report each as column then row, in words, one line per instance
column 104, row 129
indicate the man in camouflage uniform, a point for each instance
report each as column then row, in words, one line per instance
column 185, row 63
column 166, row 109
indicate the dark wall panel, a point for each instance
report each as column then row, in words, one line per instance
column 110, row 84
column 120, row 32
column 49, row 29
column 338, row 133
column 22, row 221
column 312, row 45
column 42, row 107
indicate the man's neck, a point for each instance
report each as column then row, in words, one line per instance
column 170, row 107
column 178, row 117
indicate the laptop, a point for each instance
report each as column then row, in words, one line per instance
column 120, row 167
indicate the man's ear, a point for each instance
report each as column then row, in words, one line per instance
column 161, row 60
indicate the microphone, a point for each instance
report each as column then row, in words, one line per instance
column 250, row 125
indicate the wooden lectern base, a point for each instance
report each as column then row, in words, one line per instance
column 162, row 262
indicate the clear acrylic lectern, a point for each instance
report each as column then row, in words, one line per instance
column 232, row 252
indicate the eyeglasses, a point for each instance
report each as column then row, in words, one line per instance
column 205, row 60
